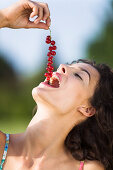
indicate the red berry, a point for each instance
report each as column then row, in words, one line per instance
column 49, row 59
column 50, row 63
column 50, row 74
column 49, row 54
column 51, row 67
column 48, row 41
column 51, row 48
column 46, row 74
column 48, row 78
column 54, row 47
column 47, row 69
column 48, row 37
column 52, row 42
column 53, row 53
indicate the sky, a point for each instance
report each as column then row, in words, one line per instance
column 74, row 23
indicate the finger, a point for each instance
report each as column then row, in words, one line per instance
column 40, row 15
column 48, row 21
column 35, row 12
column 34, row 8
column 46, row 13
column 45, row 10
column 40, row 25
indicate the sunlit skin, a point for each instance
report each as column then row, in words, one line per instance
column 41, row 146
column 18, row 15
column 72, row 92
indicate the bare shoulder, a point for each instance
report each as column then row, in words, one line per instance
column 93, row 165
column 2, row 144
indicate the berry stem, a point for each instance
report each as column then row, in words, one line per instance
column 50, row 32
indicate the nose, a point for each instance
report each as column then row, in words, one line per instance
column 63, row 68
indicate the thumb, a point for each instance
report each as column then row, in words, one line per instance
column 40, row 25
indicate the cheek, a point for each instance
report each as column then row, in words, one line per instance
column 72, row 97
column 63, row 100
column 74, row 94
column 68, row 98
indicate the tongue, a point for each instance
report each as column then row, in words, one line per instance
column 54, row 82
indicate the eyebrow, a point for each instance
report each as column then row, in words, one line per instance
column 86, row 72
column 82, row 70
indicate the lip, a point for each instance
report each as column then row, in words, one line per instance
column 46, row 84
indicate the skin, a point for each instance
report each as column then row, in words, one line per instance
column 41, row 146
column 17, row 15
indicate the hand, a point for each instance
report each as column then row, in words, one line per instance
column 18, row 15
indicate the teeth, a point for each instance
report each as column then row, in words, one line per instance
column 55, row 76
column 52, row 79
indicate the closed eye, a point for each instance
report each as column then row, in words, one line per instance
column 78, row 76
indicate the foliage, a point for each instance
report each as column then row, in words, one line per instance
column 101, row 49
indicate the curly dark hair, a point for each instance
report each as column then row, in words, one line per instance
column 93, row 138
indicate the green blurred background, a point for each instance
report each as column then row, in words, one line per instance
column 16, row 103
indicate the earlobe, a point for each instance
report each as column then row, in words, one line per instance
column 87, row 111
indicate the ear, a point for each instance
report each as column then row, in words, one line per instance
column 87, row 111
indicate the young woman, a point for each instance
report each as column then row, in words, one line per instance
column 73, row 126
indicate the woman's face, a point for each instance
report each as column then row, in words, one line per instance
column 77, row 85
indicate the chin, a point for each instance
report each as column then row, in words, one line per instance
column 39, row 94
column 35, row 93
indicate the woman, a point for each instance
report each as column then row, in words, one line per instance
column 73, row 126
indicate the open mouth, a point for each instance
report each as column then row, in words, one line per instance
column 54, row 81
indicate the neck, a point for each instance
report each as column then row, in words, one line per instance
column 46, row 133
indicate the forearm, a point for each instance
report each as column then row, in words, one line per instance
column 3, row 19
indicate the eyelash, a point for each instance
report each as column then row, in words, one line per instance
column 78, row 76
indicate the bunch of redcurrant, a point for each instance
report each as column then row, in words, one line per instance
column 50, row 55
